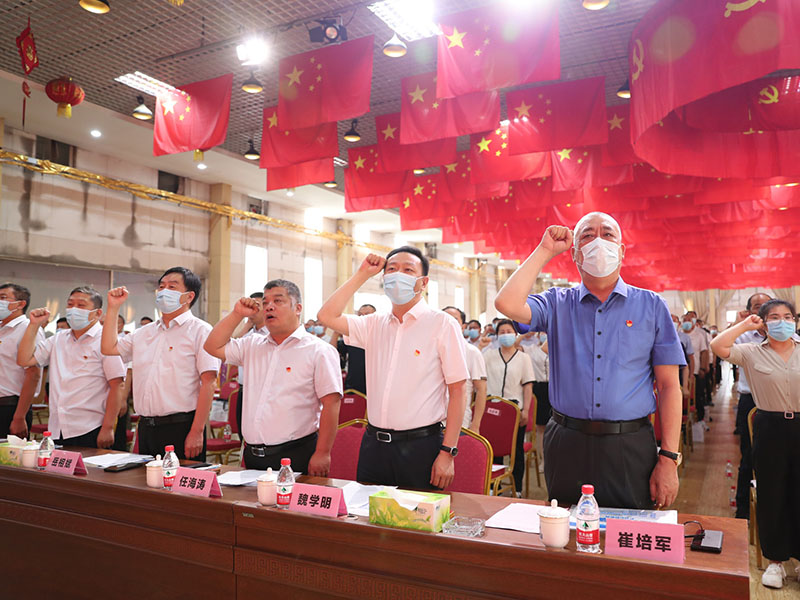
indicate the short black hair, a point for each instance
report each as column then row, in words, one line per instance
column 460, row 312
column 190, row 281
column 61, row 320
column 368, row 304
column 290, row 287
column 471, row 321
column 691, row 312
column 20, row 293
column 149, row 320
column 501, row 322
column 258, row 295
column 119, row 316
column 768, row 306
column 93, row 294
column 750, row 299
column 411, row 250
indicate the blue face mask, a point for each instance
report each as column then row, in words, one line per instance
column 780, row 330
column 473, row 334
column 399, row 288
column 542, row 338
column 507, row 339
column 168, row 301
column 319, row 329
column 686, row 326
column 310, row 329
column 78, row 318
column 5, row 312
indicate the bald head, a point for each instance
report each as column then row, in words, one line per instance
column 595, row 222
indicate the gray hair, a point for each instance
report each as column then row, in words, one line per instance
column 291, row 289
column 93, row 294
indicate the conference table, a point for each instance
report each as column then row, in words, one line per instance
column 107, row 534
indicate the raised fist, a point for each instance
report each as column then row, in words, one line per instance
column 372, row 265
column 557, row 239
column 247, row 307
column 753, row 322
column 39, row 316
column 117, row 297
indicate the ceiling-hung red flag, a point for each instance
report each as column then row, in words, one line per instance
column 324, row 85
column 618, row 150
column 291, row 176
column 365, row 187
column 400, row 157
column 490, row 160
column 280, row 148
column 193, row 117
column 497, row 46
column 576, row 168
column 609, row 199
column 561, row 115
column 459, row 185
column 426, row 203
column 424, row 117
column 719, row 191
column 649, row 181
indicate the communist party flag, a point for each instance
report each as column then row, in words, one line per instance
column 365, row 187
column 324, row 85
column 290, row 176
column 400, row 157
column 618, row 150
column 193, row 117
column 497, row 46
column 576, row 168
column 457, row 181
column 424, row 117
column 280, row 148
column 561, row 115
column 491, row 162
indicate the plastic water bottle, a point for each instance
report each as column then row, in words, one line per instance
column 45, row 451
column 226, row 433
column 587, row 530
column 170, row 466
column 285, row 483
column 729, row 470
column 732, row 496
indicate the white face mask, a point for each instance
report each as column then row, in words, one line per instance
column 600, row 257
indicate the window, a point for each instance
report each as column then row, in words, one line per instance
column 57, row 152
column 730, row 316
column 255, row 269
column 169, row 182
column 433, row 293
column 312, row 284
column 458, row 298
column 313, row 219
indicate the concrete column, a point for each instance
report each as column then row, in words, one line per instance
column 796, row 296
column 712, row 308
column 474, row 304
column 219, row 255
column 344, row 259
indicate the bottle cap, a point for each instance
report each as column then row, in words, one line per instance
column 170, row 448
column 47, row 434
column 285, row 462
column 587, row 488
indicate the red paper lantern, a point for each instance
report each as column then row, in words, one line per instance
column 66, row 93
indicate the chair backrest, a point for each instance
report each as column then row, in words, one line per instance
column 233, row 401
column 227, row 388
column 473, row 465
column 224, row 373
column 353, row 406
column 346, row 447
column 499, row 425
column 750, row 416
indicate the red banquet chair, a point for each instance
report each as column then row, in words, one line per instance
column 530, row 450
column 346, row 447
column 219, row 446
column 225, row 394
column 499, row 425
column 353, row 406
column 473, row 465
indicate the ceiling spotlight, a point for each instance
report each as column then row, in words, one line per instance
column 141, row 112
column 793, row 184
column 95, row 133
column 328, row 31
column 595, row 4
column 252, row 52
column 395, row 47
column 329, row 184
column 625, row 90
column 352, row 135
column 202, row 166
column 419, row 171
column 98, row 7
column 252, row 153
column 251, row 85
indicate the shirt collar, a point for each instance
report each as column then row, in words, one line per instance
column 14, row 322
column 620, row 288
column 298, row 333
column 179, row 320
column 417, row 310
column 793, row 338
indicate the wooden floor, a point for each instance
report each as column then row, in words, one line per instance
column 705, row 489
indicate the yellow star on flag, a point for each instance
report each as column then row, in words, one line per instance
column 435, row 105
column 180, row 118
column 406, row 203
column 478, row 52
column 294, row 76
column 564, row 154
column 359, row 162
column 456, row 38
column 523, row 110
column 389, row 131
column 169, row 105
column 417, row 94
column 484, row 144
column 273, row 120
column 418, row 190
column 615, row 122
column 451, row 168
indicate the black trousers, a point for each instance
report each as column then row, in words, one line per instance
column 776, row 456
column 541, row 389
column 619, row 466
column 87, row 440
column 406, row 464
column 300, row 453
column 239, row 411
column 746, row 404
column 7, row 415
column 153, row 439
column 700, row 396
column 121, row 433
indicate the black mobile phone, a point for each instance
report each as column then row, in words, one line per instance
column 122, row 467
column 708, row 541
column 197, row 465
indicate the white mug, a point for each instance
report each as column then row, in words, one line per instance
column 29, row 455
column 155, row 477
column 267, row 489
column 554, row 525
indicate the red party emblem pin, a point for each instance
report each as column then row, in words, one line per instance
column 288, row 369
column 417, row 352
column 629, row 323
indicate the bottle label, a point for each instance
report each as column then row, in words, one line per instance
column 284, row 495
column 588, row 532
column 169, row 477
column 43, row 460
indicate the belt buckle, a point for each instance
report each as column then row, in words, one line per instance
column 383, row 436
column 788, row 414
column 259, row 452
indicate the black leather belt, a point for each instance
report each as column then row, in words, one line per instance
column 787, row 414
column 392, row 435
column 599, row 427
column 262, row 450
column 181, row 417
column 9, row 400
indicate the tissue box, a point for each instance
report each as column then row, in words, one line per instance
column 430, row 514
column 10, row 455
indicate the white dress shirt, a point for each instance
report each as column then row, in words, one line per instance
column 699, row 343
column 540, row 361
column 239, row 371
column 476, row 367
column 12, row 376
column 409, row 365
column 167, row 363
column 79, row 376
column 748, row 337
column 505, row 379
column 283, row 384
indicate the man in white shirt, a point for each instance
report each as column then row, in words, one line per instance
column 293, row 383
column 18, row 385
column 174, row 376
column 123, row 418
column 477, row 376
column 85, row 386
column 416, row 374
column 701, row 353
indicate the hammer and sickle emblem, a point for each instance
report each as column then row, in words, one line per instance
column 732, row 7
column 769, row 95
column 638, row 59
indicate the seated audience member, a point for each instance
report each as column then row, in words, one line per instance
column 416, row 373
column 476, row 382
column 293, row 383
column 772, row 367
column 175, row 377
column 509, row 374
column 85, row 386
column 18, row 385
column 352, row 358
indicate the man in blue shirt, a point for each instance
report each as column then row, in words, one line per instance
column 608, row 343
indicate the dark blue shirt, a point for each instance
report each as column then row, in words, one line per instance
column 602, row 354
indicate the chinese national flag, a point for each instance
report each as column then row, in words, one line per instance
column 491, row 161
column 459, row 186
column 325, row 85
column 497, row 46
column 400, row 157
column 193, row 117
column 561, row 115
column 618, row 150
column 423, row 117
column 280, row 148
column 365, row 187
column 576, row 168
column 314, row 171
column 426, row 203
